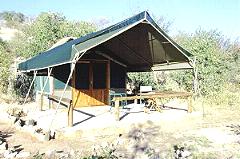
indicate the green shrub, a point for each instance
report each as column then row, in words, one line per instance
column 5, row 62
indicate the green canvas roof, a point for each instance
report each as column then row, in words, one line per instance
column 137, row 42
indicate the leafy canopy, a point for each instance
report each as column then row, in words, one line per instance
column 46, row 30
column 5, row 62
column 12, row 19
column 213, row 60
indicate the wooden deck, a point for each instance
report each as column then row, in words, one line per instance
column 153, row 96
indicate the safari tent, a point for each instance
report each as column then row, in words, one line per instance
column 85, row 70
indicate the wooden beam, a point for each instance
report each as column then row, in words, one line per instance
column 73, row 88
column 41, row 102
column 57, row 98
column 51, row 88
column 156, row 95
column 108, row 82
column 70, row 115
column 135, row 101
column 42, row 90
column 110, row 58
column 117, row 110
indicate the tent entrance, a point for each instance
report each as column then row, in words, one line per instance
column 91, row 83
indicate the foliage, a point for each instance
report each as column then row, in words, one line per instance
column 12, row 19
column 213, row 61
column 21, row 86
column 45, row 31
column 5, row 62
column 164, row 23
column 33, row 38
column 234, row 75
column 138, row 79
column 38, row 155
column 102, row 152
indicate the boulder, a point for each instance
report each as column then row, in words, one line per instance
column 23, row 154
column 62, row 155
column 31, row 122
column 10, row 155
column 3, row 146
column 20, row 123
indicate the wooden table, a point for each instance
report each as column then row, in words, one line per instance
column 153, row 96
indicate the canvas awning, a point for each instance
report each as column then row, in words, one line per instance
column 137, row 42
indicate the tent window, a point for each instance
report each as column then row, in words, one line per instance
column 82, row 76
column 99, row 75
column 118, row 76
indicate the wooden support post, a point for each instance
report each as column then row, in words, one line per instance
column 190, row 104
column 70, row 115
column 41, row 102
column 51, row 88
column 42, row 89
column 135, row 101
column 117, row 110
column 108, row 83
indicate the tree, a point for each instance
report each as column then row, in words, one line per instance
column 213, row 60
column 12, row 19
column 163, row 22
column 46, row 30
column 234, row 61
column 5, row 62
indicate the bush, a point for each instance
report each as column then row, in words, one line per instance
column 214, row 61
column 138, row 79
column 21, row 85
column 5, row 62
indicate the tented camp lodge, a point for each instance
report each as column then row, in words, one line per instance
column 86, row 69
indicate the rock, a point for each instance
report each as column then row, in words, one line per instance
column 23, row 155
column 10, row 155
column 20, row 123
column 4, row 146
column 47, row 136
column 14, row 119
column 6, row 153
column 50, row 154
column 42, row 136
column 2, row 152
column 31, row 122
column 186, row 154
column 52, row 134
column 62, row 154
column 30, row 129
column 39, row 136
column 72, row 153
column 16, row 112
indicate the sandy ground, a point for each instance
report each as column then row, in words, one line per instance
column 212, row 134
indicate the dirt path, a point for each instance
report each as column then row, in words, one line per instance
column 213, row 136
